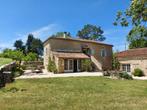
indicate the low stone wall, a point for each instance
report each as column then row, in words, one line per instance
column 33, row 65
column 6, row 75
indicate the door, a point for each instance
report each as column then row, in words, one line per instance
column 75, row 65
column 68, row 65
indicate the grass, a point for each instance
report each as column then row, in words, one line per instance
column 82, row 93
column 4, row 61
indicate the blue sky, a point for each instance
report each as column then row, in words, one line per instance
column 46, row 17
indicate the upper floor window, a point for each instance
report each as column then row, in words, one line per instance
column 46, row 50
column 103, row 53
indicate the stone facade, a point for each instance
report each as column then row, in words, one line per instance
column 135, row 58
column 135, row 63
column 73, row 45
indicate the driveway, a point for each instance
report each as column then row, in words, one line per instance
column 45, row 74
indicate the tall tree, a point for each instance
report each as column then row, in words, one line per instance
column 34, row 45
column 136, row 16
column 19, row 45
column 91, row 32
column 29, row 43
column 37, row 46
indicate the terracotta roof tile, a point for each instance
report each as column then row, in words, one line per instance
column 70, row 55
column 133, row 53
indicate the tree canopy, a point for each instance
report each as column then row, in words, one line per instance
column 62, row 34
column 136, row 16
column 19, row 45
column 91, row 32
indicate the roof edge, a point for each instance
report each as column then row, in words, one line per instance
column 80, row 40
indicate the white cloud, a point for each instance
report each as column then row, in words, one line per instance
column 42, row 33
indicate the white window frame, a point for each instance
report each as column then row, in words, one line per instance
column 125, row 67
column 68, row 65
column 78, row 69
column 105, row 52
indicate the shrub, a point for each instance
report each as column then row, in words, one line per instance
column 87, row 65
column 125, row 75
column 30, row 57
column 138, row 72
column 17, row 71
column 52, row 66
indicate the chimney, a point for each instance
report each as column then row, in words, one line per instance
column 64, row 35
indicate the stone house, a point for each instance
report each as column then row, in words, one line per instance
column 133, row 58
column 68, row 53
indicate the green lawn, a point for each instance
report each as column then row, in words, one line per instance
column 4, row 61
column 82, row 93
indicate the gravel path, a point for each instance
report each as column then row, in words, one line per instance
column 45, row 74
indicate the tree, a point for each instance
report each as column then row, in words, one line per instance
column 19, row 45
column 37, row 46
column 135, row 15
column 29, row 42
column 62, row 34
column 34, row 45
column 115, row 62
column 91, row 32
column 30, row 57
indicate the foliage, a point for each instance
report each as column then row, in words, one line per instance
column 29, row 43
column 135, row 15
column 17, row 71
column 87, row 65
column 62, row 34
column 125, row 75
column 138, row 72
column 52, row 66
column 91, row 32
column 7, row 53
column 137, row 37
column 19, row 45
column 30, row 57
column 37, row 46
column 115, row 62
column 34, row 45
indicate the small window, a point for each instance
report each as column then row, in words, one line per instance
column 126, row 67
column 46, row 50
column 103, row 53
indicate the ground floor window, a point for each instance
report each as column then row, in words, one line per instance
column 126, row 67
column 68, row 65
column 72, row 65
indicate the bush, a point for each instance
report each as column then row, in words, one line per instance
column 17, row 71
column 52, row 66
column 30, row 57
column 138, row 72
column 125, row 75
column 87, row 65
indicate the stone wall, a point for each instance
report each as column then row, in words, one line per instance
column 141, row 64
column 6, row 75
column 60, row 44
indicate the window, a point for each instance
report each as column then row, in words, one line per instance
column 65, row 64
column 68, row 65
column 126, row 67
column 103, row 53
column 46, row 50
column 79, row 65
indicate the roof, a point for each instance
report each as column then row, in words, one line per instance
column 139, row 52
column 71, row 55
column 78, row 40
